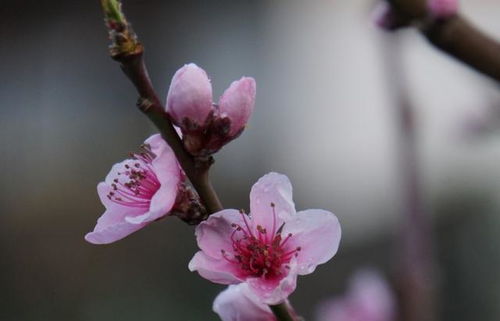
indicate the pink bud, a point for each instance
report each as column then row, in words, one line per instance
column 189, row 99
column 237, row 104
column 443, row 8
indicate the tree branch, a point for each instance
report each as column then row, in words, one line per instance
column 128, row 51
column 455, row 36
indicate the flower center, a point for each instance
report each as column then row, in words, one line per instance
column 136, row 183
column 259, row 253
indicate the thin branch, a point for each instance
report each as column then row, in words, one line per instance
column 128, row 51
column 416, row 260
column 455, row 36
column 460, row 39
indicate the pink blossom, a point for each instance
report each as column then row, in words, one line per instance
column 368, row 298
column 443, row 8
column 206, row 126
column 268, row 248
column 137, row 191
column 239, row 303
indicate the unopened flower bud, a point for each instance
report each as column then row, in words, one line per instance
column 205, row 126
column 189, row 100
column 237, row 104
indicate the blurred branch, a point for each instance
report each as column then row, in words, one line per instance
column 415, row 265
column 128, row 51
column 455, row 36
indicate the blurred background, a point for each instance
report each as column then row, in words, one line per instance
column 324, row 116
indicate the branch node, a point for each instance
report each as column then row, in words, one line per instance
column 144, row 104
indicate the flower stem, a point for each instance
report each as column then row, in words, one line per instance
column 128, row 51
column 282, row 312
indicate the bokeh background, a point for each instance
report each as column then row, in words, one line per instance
column 324, row 116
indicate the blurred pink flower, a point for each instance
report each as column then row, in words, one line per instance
column 368, row 298
column 205, row 126
column 137, row 191
column 239, row 303
column 269, row 247
column 443, row 8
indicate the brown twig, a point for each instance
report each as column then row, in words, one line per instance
column 128, row 51
column 455, row 36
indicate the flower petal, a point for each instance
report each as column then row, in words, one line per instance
column 214, row 234
column 114, row 175
column 317, row 233
column 169, row 175
column 237, row 103
column 238, row 303
column 111, row 227
column 190, row 95
column 274, row 291
column 216, row 270
column 103, row 190
column 276, row 189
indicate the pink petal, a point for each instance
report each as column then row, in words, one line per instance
column 214, row 234
column 190, row 95
column 317, row 233
column 103, row 190
column 169, row 175
column 237, row 103
column 238, row 303
column 272, row 291
column 215, row 270
column 110, row 228
column 276, row 189
column 115, row 213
